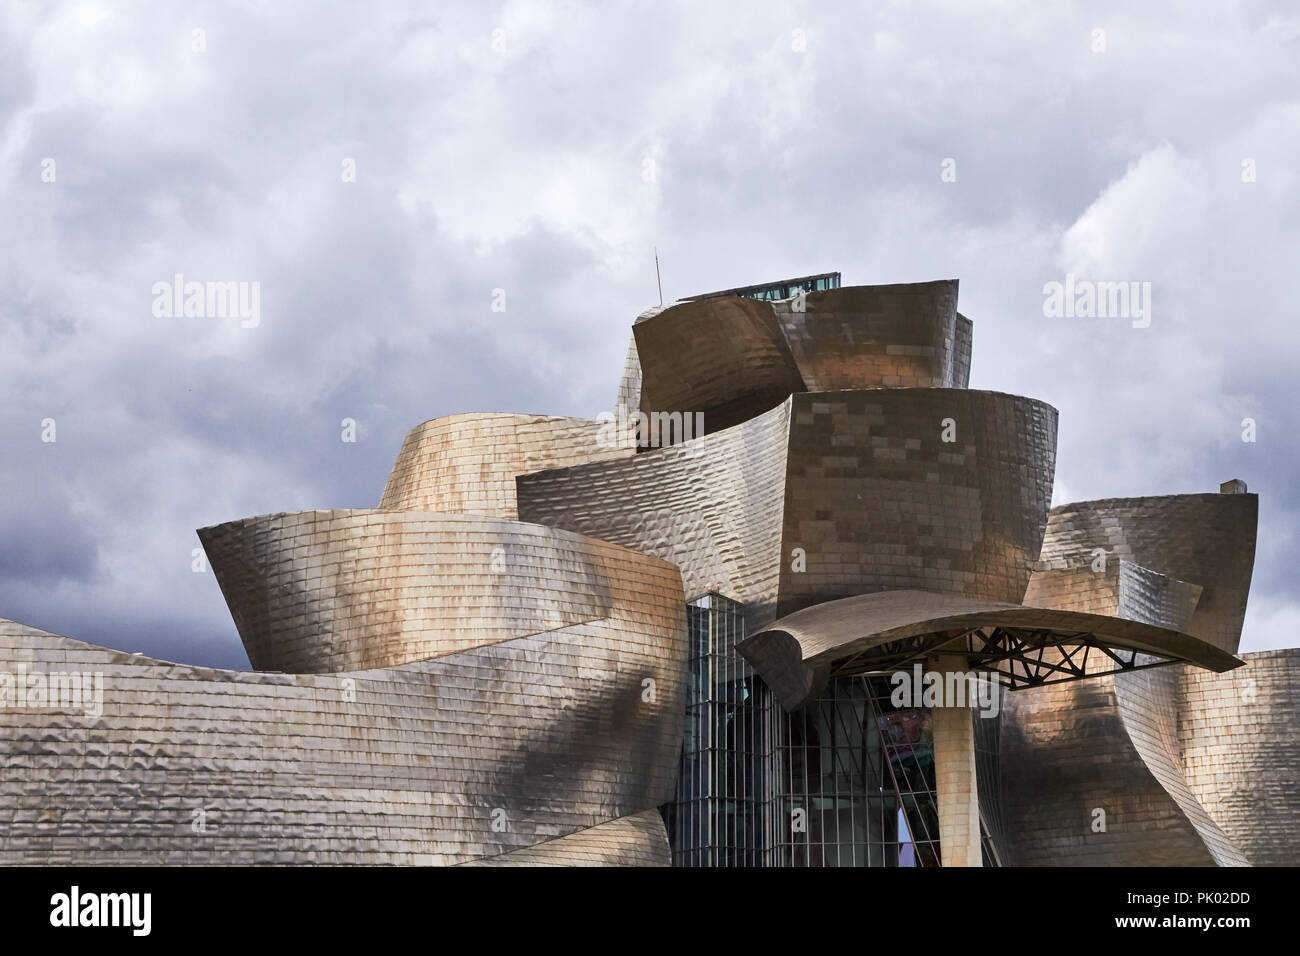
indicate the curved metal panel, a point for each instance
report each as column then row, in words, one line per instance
column 963, row 333
column 1080, row 792
column 1205, row 539
column 916, row 511
column 733, row 358
column 902, row 335
column 468, row 463
column 320, row 591
column 939, row 489
column 1148, row 707
column 1121, row 589
column 711, row 505
column 1111, row 742
column 438, row 762
column 1239, row 735
column 724, row 357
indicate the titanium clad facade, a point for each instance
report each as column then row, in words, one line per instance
column 731, row 358
column 862, row 483
column 635, row 840
column 1081, row 793
column 433, row 689
column 439, row 762
column 468, row 463
column 1205, row 539
column 1113, row 743
column 723, row 357
column 711, row 505
column 878, row 499
column 1239, row 735
column 571, row 642
column 892, row 336
column 321, row 591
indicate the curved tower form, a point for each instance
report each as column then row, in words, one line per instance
column 321, row 591
column 1131, row 746
column 467, row 464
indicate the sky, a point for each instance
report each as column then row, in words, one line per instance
column 388, row 172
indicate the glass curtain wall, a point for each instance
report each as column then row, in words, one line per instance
column 854, row 781
column 847, row 780
column 715, row 818
column 786, row 291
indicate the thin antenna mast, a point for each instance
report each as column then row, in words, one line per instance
column 658, row 280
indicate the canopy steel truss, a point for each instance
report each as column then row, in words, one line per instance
column 1021, row 657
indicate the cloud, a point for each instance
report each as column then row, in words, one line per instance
column 548, row 160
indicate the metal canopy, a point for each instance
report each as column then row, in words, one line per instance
column 1026, row 646
column 1020, row 657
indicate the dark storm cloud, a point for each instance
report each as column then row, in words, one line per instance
column 797, row 138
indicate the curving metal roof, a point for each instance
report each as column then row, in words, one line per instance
column 884, row 630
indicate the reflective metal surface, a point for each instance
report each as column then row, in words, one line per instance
column 445, row 761
column 319, row 591
column 468, row 463
column 830, row 495
column 440, row 682
column 1102, row 773
column 458, row 688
